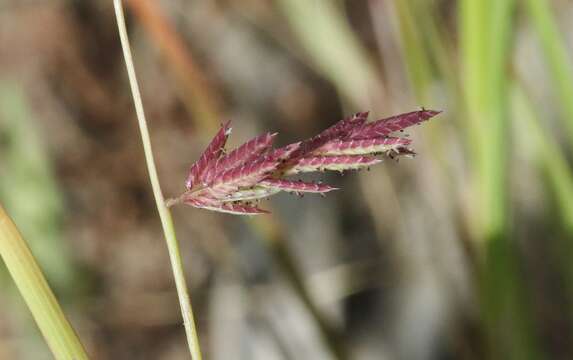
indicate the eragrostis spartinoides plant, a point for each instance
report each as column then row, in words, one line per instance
column 233, row 182
column 229, row 182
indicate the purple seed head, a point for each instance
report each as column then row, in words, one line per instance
column 228, row 182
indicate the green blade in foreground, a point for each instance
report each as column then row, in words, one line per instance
column 55, row 328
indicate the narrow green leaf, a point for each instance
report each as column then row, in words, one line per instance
column 332, row 47
column 29, row 279
column 557, row 57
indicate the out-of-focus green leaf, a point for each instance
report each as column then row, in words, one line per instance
column 557, row 56
column 554, row 165
column 28, row 189
column 415, row 55
column 548, row 155
column 485, row 44
column 486, row 38
column 329, row 41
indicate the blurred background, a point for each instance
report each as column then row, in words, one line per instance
column 464, row 252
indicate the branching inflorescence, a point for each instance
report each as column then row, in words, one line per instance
column 233, row 182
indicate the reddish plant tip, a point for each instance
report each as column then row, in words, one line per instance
column 213, row 151
column 228, row 181
column 387, row 126
column 428, row 114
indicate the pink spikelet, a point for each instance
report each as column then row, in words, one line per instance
column 384, row 127
column 243, row 154
column 250, row 194
column 339, row 130
column 248, row 174
column 379, row 145
column 284, row 153
column 296, row 186
column 244, row 176
column 211, row 153
column 229, row 182
column 229, row 208
column 332, row 163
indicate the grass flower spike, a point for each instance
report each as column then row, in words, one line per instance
column 233, row 182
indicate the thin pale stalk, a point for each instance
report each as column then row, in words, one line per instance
column 164, row 213
column 28, row 276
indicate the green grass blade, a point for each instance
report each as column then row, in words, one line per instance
column 29, row 191
column 549, row 156
column 485, row 44
column 418, row 65
column 552, row 162
column 329, row 41
column 557, row 57
column 429, row 65
column 486, row 40
column 47, row 313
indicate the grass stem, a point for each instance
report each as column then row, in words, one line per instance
column 164, row 213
